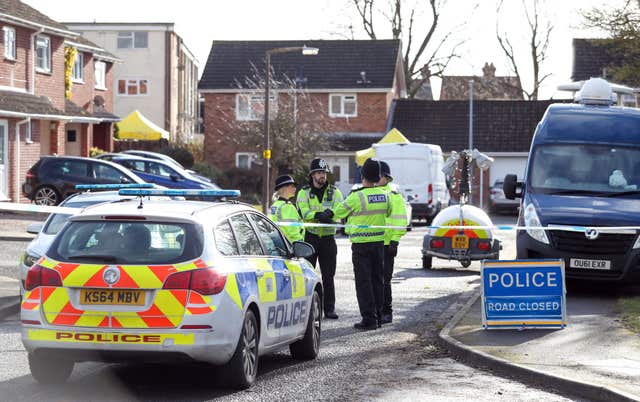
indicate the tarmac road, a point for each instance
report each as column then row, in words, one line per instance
column 402, row 361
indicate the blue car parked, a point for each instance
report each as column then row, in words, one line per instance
column 163, row 173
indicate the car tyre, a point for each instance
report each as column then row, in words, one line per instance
column 49, row 371
column 308, row 347
column 426, row 262
column 46, row 195
column 242, row 369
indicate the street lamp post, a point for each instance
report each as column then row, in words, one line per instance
column 266, row 152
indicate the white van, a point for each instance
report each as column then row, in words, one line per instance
column 417, row 171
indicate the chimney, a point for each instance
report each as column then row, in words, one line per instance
column 489, row 70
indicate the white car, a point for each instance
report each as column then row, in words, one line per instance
column 210, row 282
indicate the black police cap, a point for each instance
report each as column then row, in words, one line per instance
column 371, row 170
column 284, row 180
column 385, row 169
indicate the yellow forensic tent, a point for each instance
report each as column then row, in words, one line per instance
column 394, row 136
column 137, row 127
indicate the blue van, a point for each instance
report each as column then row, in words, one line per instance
column 583, row 170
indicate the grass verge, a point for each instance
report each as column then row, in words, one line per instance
column 630, row 313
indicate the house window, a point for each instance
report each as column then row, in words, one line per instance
column 133, row 87
column 244, row 160
column 78, row 68
column 251, row 107
column 343, row 105
column 101, row 74
column 43, row 54
column 71, row 135
column 133, row 40
column 9, row 43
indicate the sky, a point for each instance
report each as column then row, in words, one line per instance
column 472, row 22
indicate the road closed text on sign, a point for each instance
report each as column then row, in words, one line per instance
column 523, row 294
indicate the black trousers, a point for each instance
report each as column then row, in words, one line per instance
column 368, row 265
column 389, row 259
column 326, row 252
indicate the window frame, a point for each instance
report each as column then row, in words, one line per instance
column 132, row 81
column 282, row 236
column 47, row 68
column 251, row 155
column 343, row 98
column 9, row 55
column 131, row 35
column 259, row 99
column 100, row 74
column 78, row 66
column 235, row 235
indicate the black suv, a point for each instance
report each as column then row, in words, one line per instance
column 53, row 178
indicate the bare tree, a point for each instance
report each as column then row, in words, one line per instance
column 623, row 26
column 419, row 63
column 538, row 43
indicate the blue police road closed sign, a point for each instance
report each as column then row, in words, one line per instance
column 523, row 294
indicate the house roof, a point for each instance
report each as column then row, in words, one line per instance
column 339, row 64
column 351, row 142
column 22, row 11
column 591, row 57
column 498, row 126
column 488, row 86
column 20, row 102
column 94, row 48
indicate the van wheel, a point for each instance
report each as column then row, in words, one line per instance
column 308, row 347
column 465, row 263
column 426, row 262
column 46, row 195
column 49, row 371
column 242, row 369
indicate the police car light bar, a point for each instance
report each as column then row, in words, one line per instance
column 112, row 186
column 180, row 193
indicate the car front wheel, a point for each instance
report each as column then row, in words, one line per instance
column 308, row 347
column 242, row 369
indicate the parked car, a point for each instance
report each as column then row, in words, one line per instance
column 498, row 202
column 163, row 157
column 107, row 156
column 54, row 178
column 163, row 173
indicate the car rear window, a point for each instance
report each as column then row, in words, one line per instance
column 57, row 221
column 126, row 242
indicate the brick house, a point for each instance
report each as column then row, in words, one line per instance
column 351, row 83
column 489, row 86
column 36, row 115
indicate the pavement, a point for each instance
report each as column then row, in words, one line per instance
column 594, row 357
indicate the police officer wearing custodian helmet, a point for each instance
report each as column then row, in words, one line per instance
column 312, row 200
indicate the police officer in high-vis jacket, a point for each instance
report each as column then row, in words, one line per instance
column 392, row 237
column 284, row 210
column 312, row 200
column 369, row 206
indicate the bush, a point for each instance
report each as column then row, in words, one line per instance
column 95, row 151
column 211, row 172
column 182, row 155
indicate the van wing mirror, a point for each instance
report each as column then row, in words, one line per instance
column 511, row 187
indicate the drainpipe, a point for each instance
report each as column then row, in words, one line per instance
column 18, row 124
column 32, row 83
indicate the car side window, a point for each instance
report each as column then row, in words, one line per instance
column 75, row 168
column 247, row 239
column 225, row 241
column 134, row 165
column 107, row 173
column 271, row 238
column 160, row 170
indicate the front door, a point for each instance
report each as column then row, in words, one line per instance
column 4, row 129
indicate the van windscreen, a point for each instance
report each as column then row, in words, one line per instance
column 585, row 168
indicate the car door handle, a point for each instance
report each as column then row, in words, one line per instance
column 286, row 274
column 260, row 274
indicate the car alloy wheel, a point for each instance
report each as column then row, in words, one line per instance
column 46, row 196
column 249, row 348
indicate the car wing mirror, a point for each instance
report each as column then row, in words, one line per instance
column 174, row 177
column 512, row 187
column 35, row 228
column 302, row 249
column 125, row 180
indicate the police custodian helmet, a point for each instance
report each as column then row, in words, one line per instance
column 284, row 180
column 385, row 169
column 318, row 165
column 371, row 170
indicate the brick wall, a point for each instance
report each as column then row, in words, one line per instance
column 220, row 120
column 82, row 93
column 29, row 154
column 108, row 94
column 51, row 84
column 14, row 73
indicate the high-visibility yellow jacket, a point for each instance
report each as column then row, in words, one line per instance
column 365, row 206
column 398, row 215
column 283, row 210
column 308, row 204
